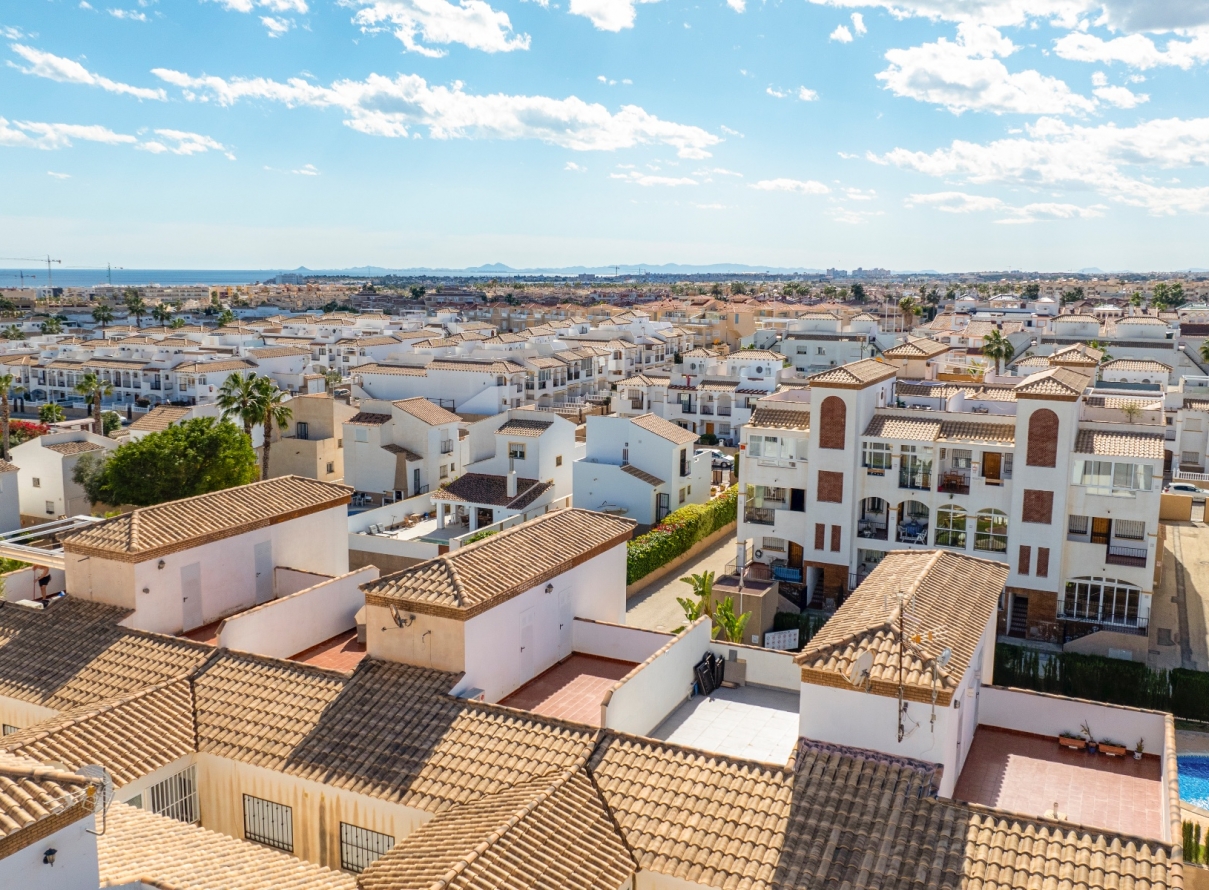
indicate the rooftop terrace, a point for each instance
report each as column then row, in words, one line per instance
column 749, row 722
column 571, row 690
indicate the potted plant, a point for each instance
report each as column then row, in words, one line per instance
column 1138, row 749
column 1085, row 731
column 1112, row 749
column 1069, row 739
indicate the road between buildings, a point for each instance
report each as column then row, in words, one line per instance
column 655, row 607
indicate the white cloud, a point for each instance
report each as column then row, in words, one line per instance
column 841, row 34
column 851, row 217
column 54, row 175
column 306, row 170
column 84, row 4
column 1031, row 213
column 729, row 132
column 1114, row 162
column 966, row 75
column 1134, row 50
column 10, row 33
column 380, row 106
column 575, row 168
column 181, row 142
column 417, row 23
column 858, row 24
column 298, row 6
column 128, row 14
column 855, row 194
column 32, row 134
column 52, row 67
column 1122, row 97
column 644, row 179
column 802, row 187
column 807, row 95
column 737, row 6
column 710, row 206
column 608, row 15
column 718, row 171
column 954, row 202
column 1122, row 15
column 776, row 94
column 276, row 26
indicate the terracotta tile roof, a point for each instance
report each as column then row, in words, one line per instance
column 643, row 475
column 991, row 393
column 75, row 653
column 492, row 489
column 368, row 418
column 396, row 370
column 279, row 352
column 1117, row 444
column 24, row 359
column 891, row 426
column 664, row 429
column 767, row 355
column 855, row 375
column 1056, row 383
column 718, row 385
column 407, row 453
column 160, row 418
column 150, row 532
column 1130, row 364
column 951, row 592
column 1146, row 403
column 526, row 428
column 544, row 361
column 917, row 348
column 6, row 467
column 976, row 430
column 688, row 814
column 118, row 364
column 132, row 735
column 31, row 793
column 481, row 575
column 780, row 419
column 1038, row 362
column 643, row 380
column 234, row 364
column 73, row 447
column 387, row 730
column 140, row 848
column 925, row 390
column 541, row 833
column 379, row 340
column 1077, row 354
column 498, row 366
column 1141, row 320
column 1074, row 319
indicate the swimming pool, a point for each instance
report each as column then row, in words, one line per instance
column 1194, row 779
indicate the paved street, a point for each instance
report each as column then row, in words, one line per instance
column 1179, row 619
column 655, row 606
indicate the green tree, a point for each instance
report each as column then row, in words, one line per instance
column 858, row 292
column 51, row 413
column 417, row 291
column 1073, row 295
column 102, row 315
column 1031, row 291
column 162, row 313
column 909, row 308
column 703, row 589
column 177, row 324
column 112, row 421
column 999, row 348
column 738, row 287
column 1136, row 299
column 275, row 414
column 226, row 317
column 1205, row 350
column 93, row 389
column 12, row 332
column 52, row 326
column 239, row 397
column 8, row 387
column 332, row 379
column 135, row 305
column 191, row 458
column 732, row 625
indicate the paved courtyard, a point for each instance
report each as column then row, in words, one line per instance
column 749, row 722
column 1179, row 618
column 571, row 690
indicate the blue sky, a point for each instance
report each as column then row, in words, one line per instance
column 946, row 134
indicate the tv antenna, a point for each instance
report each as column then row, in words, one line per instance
column 912, row 633
column 46, row 259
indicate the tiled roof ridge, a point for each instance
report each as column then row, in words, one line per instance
column 38, row 771
column 225, row 655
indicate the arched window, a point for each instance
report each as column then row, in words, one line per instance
column 951, row 526
column 990, row 531
column 833, row 417
column 912, row 523
column 1043, row 439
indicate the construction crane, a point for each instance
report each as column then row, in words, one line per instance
column 46, row 259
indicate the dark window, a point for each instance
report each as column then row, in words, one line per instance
column 833, row 417
column 820, row 536
column 1043, row 439
column 268, row 823
column 360, row 846
column 1026, row 557
column 797, row 500
column 683, row 461
column 301, row 429
column 176, row 796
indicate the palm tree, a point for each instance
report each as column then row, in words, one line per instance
column 102, row 315
column 51, row 413
column 52, row 325
column 162, row 313
column 998, row 347
column 909, row 308
column 135, row 306
column 240, row 397
column 93, row 388
column 177, row 324
column 276, row 413
column 12, row 332
column 8, row 386
column 1205, row 350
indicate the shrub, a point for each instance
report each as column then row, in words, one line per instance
column 478, row 536
column 677, row 533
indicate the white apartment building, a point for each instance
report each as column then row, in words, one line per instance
column 639, row 467
column 46, row 487
column 464, row 385
column 1063, row 491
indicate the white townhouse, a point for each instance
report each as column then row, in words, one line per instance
column 1040, row 476
column 464, row 384
column 46, row 488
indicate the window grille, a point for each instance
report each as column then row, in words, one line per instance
column 1077, row 525
column 777, row 544
column 1131, row 529
column 268, row 823
column 360, row 846
column 9, row 729
column 176, row 796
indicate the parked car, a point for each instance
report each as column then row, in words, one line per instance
column 1186, row 488
column 718, row 459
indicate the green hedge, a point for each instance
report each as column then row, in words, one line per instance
column 677, row 533
column 1182, row 692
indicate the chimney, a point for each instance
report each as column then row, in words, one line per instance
column 512, row 483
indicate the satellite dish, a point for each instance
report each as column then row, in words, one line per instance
column 944, row 658
column 858, row 671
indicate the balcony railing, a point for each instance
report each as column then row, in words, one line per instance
column 760, row 515
column 724, row 411
column 871, row 530
column 707, row 409
column 1081, row 627
column 954, row 482
column 990, row 544
column 1126, row 556
column 688, row 409
column 447, row 446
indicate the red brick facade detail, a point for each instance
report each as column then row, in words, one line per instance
column 1042, row 562
column 820, row 536
column 835, row 538
column 1043, row 439
column 1026, row 557
column 1038, row 506
column 833, row 419
column 831, row 487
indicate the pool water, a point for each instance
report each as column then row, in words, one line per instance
column 1194, row 779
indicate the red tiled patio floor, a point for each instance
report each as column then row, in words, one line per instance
column 342, row 653
column 207, row 633
column 1028, row 774
column 571, row 690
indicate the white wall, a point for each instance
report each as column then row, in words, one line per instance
column 389, row 514
column 22, row 584
column 287, row 580
column 10, row 502
column 657, row 687
column 765, row 667
column 75, row 868
column 1048, row 715
column 616, row 640
column 19, row 713
column 294, row 623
